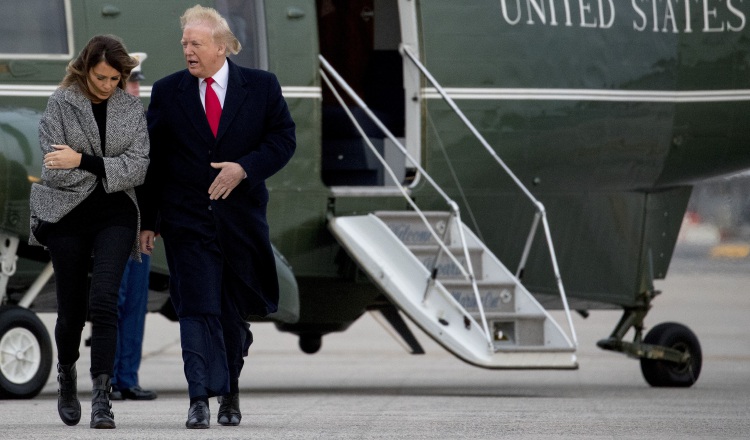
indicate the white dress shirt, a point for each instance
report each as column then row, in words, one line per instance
column 221, row 78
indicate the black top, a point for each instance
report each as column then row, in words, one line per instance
column 90, row 163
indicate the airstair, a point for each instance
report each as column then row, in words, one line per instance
column 440, row 274
column 401, row 256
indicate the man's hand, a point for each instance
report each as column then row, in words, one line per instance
column 229, row 177
column 147, row 242
column 63, row 158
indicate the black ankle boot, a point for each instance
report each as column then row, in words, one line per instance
column 101, row 408
column 68, row 405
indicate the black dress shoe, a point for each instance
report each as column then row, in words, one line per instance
column 198, row 416
column 132, row 393
column 229, row 410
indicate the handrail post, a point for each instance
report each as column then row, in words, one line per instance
column 472, row 277
column 558, row 277
column 527, row 246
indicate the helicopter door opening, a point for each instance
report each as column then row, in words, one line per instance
column 360, row 39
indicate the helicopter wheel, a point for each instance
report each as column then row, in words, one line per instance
column 660, row 373
column 310, row 343
column 25, row 353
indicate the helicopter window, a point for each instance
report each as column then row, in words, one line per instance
column 247, row 21
column 38, row 27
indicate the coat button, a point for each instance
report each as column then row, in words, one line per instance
column 210, row 208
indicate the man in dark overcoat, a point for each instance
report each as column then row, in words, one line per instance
column 218, row 131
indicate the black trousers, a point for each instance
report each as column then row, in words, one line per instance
column 213, row 348
column 71, row 254
column 214, row 336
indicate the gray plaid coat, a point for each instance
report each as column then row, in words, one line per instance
column 69, row 120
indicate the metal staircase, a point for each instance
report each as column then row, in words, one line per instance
column 437, row 272
column 401, row 256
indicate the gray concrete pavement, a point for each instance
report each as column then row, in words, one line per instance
column 363, row 385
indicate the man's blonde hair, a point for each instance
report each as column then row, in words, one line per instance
column 219, row 27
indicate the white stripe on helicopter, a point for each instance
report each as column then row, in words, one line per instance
column 488, row 94
column 591, row 95
column 44, row 91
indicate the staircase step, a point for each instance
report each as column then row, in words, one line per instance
column 495, row 297
column 410, row 228
column 502, row 348
column 447, row 268
column 516, row 329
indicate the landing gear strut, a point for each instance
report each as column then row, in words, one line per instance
column 670, row 354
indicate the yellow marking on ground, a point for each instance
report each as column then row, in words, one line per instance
column 730, row 251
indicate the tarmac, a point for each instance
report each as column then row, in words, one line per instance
column 363, row 385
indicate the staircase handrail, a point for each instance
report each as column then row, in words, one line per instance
column 467, row 272
column 541, row 212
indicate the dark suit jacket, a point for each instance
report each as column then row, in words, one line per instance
column 256, row 131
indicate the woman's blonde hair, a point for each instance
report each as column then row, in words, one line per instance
column 219, row 27
column 107, row 48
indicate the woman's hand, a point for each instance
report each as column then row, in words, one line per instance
column 63, row 158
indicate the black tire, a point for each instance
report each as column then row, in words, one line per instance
column 25, row 353
column 659, row 373
column 310, row 343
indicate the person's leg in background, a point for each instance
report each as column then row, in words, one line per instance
column 132, row 307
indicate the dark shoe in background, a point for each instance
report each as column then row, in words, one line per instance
column 132, row 393
column 68, row 405
column 101, row 407
column 229, row 409
column 198, row 416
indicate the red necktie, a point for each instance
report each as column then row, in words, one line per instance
column 213, row 107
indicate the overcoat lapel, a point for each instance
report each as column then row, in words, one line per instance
column 116, row 102
column 190, row 101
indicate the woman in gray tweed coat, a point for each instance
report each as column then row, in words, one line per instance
column 95, row 143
